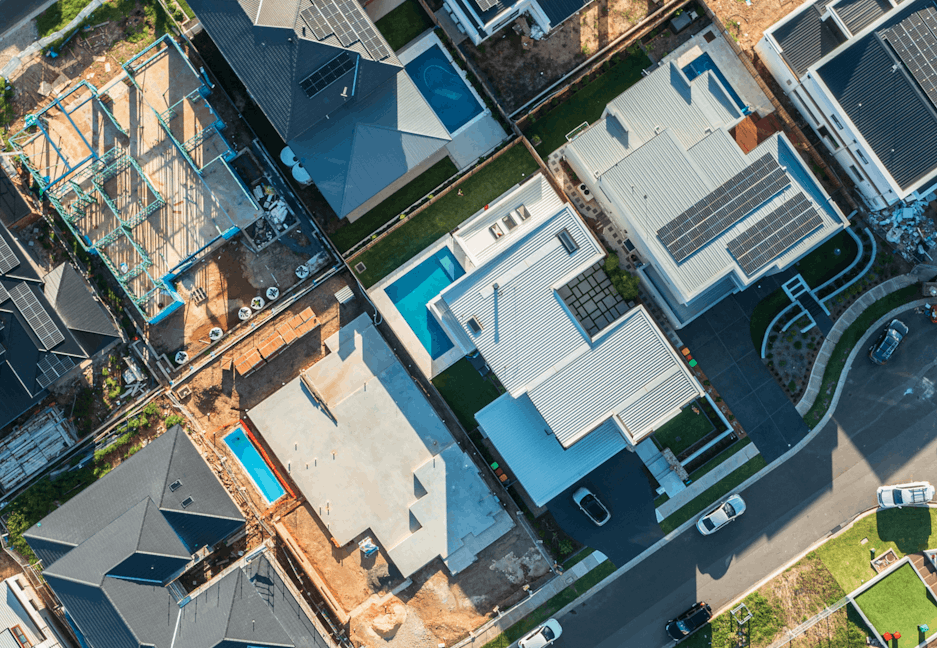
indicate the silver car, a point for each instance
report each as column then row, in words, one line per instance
column 543, row 636
column 594, row 509
column 905, row 494
column 721, row 514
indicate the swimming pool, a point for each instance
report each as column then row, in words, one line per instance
column 705, row 62
column 415, row 289
column 255, row 466
column 443, row 88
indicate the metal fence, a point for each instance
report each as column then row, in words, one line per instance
column 791, row 635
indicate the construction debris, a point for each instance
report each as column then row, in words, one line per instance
column 908, row 227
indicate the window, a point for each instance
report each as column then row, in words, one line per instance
column 568, row 241
column 861, row 156
column 523, row 213
column 837, row 122
column 20, row 637
column 173, row 487
column 496, row 231
column 855, row 172
column 187, row 502
column 509, row 222
column 474, row 326
column 828, row 136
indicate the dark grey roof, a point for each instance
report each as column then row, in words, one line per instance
column 859, row 14
column 69, row 294
column 559, row 10
column 876, row 91
column 806, row 38
column 12, row 206
column 272, row 56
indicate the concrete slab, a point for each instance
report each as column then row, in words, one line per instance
column 477, row 139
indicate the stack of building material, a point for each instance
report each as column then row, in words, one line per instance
column 284, row 335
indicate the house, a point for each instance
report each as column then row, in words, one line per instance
column 24, row 620
column 479, row 19
column 693, row 168
column 116, row 553
column 354, row 121
column 372, row 457
column 49, row 324
column 861, row 72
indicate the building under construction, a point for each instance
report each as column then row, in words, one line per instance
column 139, row 171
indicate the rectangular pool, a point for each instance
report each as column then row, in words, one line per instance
column 444, row 89
column 705, row 62
column 254, row 465
column 415, row 289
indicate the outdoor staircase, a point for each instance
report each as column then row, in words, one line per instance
column 798, row 291
column 925, row 567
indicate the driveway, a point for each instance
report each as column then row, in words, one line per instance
column 621, row 485
column 883, row 430
column 720, row 340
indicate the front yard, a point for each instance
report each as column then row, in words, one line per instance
column 685, row 430
column 898, row 604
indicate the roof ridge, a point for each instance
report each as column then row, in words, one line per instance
column 172, row 453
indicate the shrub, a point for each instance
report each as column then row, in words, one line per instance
column 173, row 419
column 151, row 409
column 625, row 283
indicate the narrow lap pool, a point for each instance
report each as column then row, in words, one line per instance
column 443, row 88
column 415, row 289
column 705, row 62
column 254, row 464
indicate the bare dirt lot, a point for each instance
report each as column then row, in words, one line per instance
column 519, row 67
column 746, row 23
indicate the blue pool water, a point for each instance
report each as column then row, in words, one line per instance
column 415, row 289
column 705, row 62
column 443, row 88
column 255, row 465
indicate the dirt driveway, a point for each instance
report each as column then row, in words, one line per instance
column 746, row 23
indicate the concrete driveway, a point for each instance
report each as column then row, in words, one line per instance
column 884, row 430
column 621, row 485
column 720, row 340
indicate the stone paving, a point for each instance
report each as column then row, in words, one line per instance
column 592, row 298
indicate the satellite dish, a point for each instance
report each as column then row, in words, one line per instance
column 287, row 157
column 300, row 175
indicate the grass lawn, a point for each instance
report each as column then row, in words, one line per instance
column 466, row 391
column 58, row 15
column 764, row 312
column 587, row 104
column 905, row 530
column 403, row 24
column 351, row 233
column 899, row 603
column 552, row 606
column 492, row 180
column 834, row 367
column 823, row 264
column 713, row 493
column 682, row 431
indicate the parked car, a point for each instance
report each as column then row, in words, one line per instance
column 888, row 341
column 905, row 494
column 721, row 514
column 542, row 636
column 689, row 622
column 591, row 506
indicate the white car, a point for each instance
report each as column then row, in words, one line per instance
column 905, row 494
column 590, row 505
column 721, row 514
column 545, row 635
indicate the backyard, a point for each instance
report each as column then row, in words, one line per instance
column 468, row 196
column 898, row 604
column 403, row 24
column 585, row 101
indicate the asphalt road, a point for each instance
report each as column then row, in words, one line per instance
column 13, row 11
column 884, row 430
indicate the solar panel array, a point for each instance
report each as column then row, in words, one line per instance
column 773, row 235
column 36, row 316
column 4, row 295
column 313, row 18
column 51, row 366
column 915, row 41
column 349, row 24
column 485, row 5
column 365, row 30
column 8, row 260
column 724, row 207
column 328, row 74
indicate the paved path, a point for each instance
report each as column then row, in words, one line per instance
column 719, row 473
column 883, row 430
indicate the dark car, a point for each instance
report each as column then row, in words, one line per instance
column 689, row 622
column 885, row 346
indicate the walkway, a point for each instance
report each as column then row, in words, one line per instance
column 664, row 471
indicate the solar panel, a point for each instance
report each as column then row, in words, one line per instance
column 723, row 207
column 775, row 233
column 365, row 30
column 8, row 260
column 314, row 20
column 485, row 5
column 336, row 18
column 36, row 316
column 4, row 295
column 51, row 367
column 328, row 74
column 914, row 40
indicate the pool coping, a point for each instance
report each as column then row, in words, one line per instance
column 260, row 451
column 422, row 44
column 421, row 357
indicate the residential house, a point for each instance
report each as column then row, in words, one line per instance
column 480, row 19
column 24, row 620
column 862, row 72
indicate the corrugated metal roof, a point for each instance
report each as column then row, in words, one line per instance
column 859, row 14
column 806, row 38
column 544, row 468
column 525, row 310
column 631, row 372
column 875, row 90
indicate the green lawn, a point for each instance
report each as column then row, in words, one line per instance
column 823, row 264
column 58, row 15
column 466, row 391
column 403, row 24
column 351, row 233
column 492, row 180
column 713, row 493
column 837, row 361
column 588, row 103
column 905, row 530
column 899, row 603
column 682, row 431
